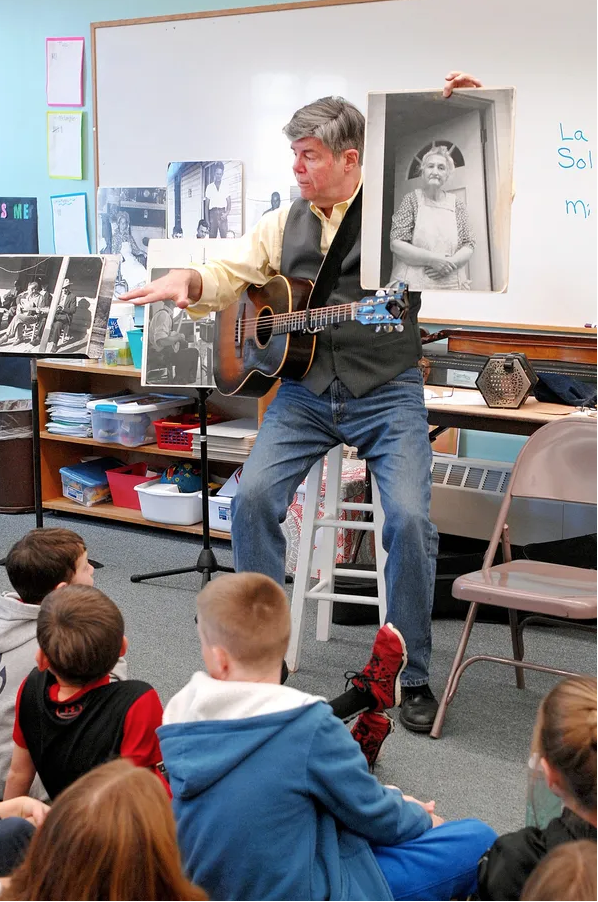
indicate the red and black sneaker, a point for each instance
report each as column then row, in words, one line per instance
column 370, row 730
column 381, row 673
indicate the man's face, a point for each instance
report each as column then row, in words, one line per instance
column 218, row 175
column 321, row 177
column 203, row 231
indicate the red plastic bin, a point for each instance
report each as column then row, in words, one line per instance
column 171, row 434
column 122, row 482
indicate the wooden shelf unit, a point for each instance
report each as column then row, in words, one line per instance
column 61, row 450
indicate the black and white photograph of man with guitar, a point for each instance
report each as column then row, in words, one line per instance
column 348, row 364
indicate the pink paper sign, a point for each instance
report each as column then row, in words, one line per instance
column 64, row 71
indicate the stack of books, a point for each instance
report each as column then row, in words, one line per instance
column 232, row 440
column 69, row 414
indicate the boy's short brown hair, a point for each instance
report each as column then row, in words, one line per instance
column 80, row 631
column 248, row 615
column 42, row 559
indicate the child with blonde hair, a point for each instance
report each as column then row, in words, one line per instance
column 272, row 796
column 567, row 874
column 565, row 743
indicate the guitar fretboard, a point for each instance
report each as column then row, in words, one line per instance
column 298, row 320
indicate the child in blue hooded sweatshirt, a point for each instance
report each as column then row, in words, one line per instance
column 273, row 797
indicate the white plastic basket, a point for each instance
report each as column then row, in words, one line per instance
column 163, row 503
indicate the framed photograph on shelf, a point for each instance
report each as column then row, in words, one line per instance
column 178, row 351
column 55, row 305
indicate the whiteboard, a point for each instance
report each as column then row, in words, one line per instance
column 221, row 86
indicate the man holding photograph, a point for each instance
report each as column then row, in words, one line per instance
column 364, row 388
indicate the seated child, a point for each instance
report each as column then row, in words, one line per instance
column 565, row 742
column 18, row 820
column 568, row 872
column 111, row 835
column 272, row 797
column 69, row 716
column 43, row 560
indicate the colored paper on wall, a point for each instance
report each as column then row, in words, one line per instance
column 69, row 224
column 65, row 154
column 64, row 71
column 18, row 225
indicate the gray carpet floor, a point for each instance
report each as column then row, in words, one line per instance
column 479, row 766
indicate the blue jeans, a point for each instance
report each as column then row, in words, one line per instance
column 389, row 428
column 440, row 864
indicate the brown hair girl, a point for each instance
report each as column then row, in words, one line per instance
column 565, row 740
column 111, row 835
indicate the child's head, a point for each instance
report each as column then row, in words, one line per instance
column 244, row 626
column 565, row 740
column 45, row 559
column 113, row 834
column 568, row 872
column 80, row 633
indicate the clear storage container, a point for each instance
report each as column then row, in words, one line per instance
column 130, row 421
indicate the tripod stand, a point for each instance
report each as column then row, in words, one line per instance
column 206, row 562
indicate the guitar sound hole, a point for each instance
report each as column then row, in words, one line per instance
column 263, row 330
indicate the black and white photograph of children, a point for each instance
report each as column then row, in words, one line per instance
column 437, row 199
column 49, row 305
column 177, row 351
column 127, row 219
column 205, row 199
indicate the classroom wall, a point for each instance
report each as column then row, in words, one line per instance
column 24, row 27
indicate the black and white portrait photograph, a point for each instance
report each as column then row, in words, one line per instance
column 54, row 305
column 127, row 219
column 177, row 350
column 261, row 199
column 205, row 199
column 437, row 194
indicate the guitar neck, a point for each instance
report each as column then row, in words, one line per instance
column 298, row 320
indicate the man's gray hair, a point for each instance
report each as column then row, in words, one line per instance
column 337, row 123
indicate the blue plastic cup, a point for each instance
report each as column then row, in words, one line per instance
column 135, row 339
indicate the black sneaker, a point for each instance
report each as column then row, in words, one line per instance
column 418, row 708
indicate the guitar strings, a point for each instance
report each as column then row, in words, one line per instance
column 328, row 312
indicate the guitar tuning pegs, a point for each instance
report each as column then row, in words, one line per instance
column 378, row 328
column 381, row 293
column 399, row 328
column 388, row 328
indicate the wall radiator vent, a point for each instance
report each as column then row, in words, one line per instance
column 467, row 494
column 476, row 475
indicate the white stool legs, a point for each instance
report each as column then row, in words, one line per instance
column 323, row 592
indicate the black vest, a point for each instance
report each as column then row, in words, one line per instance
column 361, row 358
column 67, row 740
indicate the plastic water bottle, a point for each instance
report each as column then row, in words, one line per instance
column 542, row 804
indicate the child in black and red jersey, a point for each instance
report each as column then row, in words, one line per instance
column 69, row 716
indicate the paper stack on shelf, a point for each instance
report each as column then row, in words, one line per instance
column 231, row 440
column 69, row 414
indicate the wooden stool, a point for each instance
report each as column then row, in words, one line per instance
column 323, row 591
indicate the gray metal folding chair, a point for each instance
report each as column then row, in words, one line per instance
column 557, row 463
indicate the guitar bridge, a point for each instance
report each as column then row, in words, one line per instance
column 238, row 343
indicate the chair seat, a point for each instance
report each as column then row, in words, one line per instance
column 532, row 586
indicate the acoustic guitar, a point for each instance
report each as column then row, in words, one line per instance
column 270, row 333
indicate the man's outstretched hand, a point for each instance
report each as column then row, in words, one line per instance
column 459, row 80
column 183, row 286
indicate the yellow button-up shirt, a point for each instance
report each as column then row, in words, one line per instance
column 256, row 258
